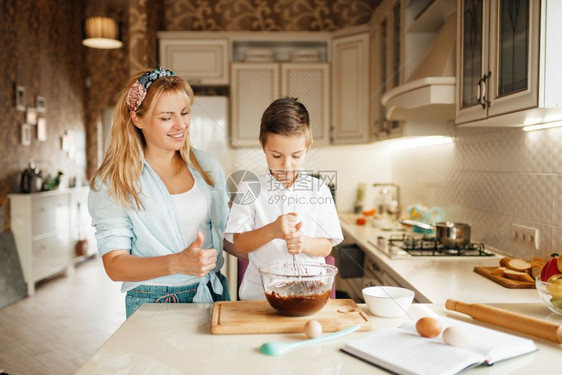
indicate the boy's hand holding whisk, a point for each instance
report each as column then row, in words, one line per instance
column 288, row 228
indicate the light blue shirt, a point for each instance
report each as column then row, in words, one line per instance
column 155, row 230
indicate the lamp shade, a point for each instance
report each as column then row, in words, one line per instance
column 101, row 32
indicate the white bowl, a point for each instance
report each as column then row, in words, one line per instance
column 388, row 301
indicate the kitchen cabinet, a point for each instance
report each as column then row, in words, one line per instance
column 199, row 61
column 508, row 61
column 374, row 82
column 427, row 89
column 387, row 71
column 255, row 85
column 360, row 269
column 425, row 274
column 350, row 108
column 45, row 227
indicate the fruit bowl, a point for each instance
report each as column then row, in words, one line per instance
column 297, row 291
column 550, row 293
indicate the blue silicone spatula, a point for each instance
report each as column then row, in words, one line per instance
column 279, row 348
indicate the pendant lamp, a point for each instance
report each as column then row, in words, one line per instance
column 101, row 32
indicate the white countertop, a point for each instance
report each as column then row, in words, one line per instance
column 436, row 279
column 175, row 339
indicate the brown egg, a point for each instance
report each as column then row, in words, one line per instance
column 428, row 327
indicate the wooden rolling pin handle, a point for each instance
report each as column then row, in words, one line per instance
column 510, row 320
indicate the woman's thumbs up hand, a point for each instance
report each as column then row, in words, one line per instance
column 194, row 260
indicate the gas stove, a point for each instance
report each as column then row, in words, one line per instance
column 417, row 245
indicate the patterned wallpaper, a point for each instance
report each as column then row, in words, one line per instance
column 41, row 51
column 107, row 72
column 266, row 15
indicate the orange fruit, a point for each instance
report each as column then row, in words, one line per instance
column 370, row 212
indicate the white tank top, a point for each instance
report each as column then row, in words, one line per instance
column 193, row 215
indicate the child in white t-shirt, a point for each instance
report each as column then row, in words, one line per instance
column 286, row 211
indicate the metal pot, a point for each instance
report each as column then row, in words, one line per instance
column 447, row 233
column 452, row 234
column 31, row 180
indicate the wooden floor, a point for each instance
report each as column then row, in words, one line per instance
column 58, row 329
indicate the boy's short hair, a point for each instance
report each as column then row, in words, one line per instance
column 285, row 116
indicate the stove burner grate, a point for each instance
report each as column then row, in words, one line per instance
column 430, row 246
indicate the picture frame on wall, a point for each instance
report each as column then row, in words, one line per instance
column 31, row 116
column 20, row 98
column 41, row 104
column 26, row 135
column 41, row 129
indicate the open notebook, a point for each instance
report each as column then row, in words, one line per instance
column 403, row 351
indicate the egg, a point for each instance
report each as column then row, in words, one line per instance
column 428, row 327
column 312, row 329
column 457, row 336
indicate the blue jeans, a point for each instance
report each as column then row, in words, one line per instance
column 169, row 294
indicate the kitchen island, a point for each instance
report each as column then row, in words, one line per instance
column 435, row 279
column 176, row 339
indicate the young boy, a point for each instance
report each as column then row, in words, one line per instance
column 290, row 212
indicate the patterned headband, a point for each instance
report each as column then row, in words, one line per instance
column 137, row 92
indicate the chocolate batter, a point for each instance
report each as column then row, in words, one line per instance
column 298, row 305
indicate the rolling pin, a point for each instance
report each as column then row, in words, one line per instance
column 510, row 320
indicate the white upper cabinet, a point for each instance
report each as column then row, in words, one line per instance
column 391, row 49
column 310, row 83
column 350, row 99
column 374, row 84
column 509, row 58
column 199, row 61
column 255, row 85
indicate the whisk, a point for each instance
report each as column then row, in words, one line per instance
column 297, row 267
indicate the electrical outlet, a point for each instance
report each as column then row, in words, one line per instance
column 527, row 235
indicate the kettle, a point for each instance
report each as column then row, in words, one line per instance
column 31, row 180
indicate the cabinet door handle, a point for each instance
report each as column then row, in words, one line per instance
column 481, row 90
column 485, row 100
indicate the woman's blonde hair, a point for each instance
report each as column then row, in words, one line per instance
column 123, row 161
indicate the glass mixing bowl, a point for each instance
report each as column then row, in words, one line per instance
column 551, row 294
column 297, row 291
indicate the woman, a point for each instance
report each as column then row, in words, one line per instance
column 159, row 206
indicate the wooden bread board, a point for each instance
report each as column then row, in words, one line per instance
column 247, row 317
column 503, row 281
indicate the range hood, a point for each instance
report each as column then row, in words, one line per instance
column 429, row 93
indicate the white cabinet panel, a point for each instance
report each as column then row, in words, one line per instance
column 200, row 62
column 508, row 62
column 310, row 84
column 254, row 87
column 49, row 256
column 350, row 99
column 45, row 228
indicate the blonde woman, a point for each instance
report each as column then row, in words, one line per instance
column 159, row 207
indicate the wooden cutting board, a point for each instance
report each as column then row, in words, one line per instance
column 240, row 317
column 503, row 281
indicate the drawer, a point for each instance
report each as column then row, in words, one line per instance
column 49, row 256
column 49, row 214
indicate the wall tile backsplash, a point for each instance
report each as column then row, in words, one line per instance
column 497, row 177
